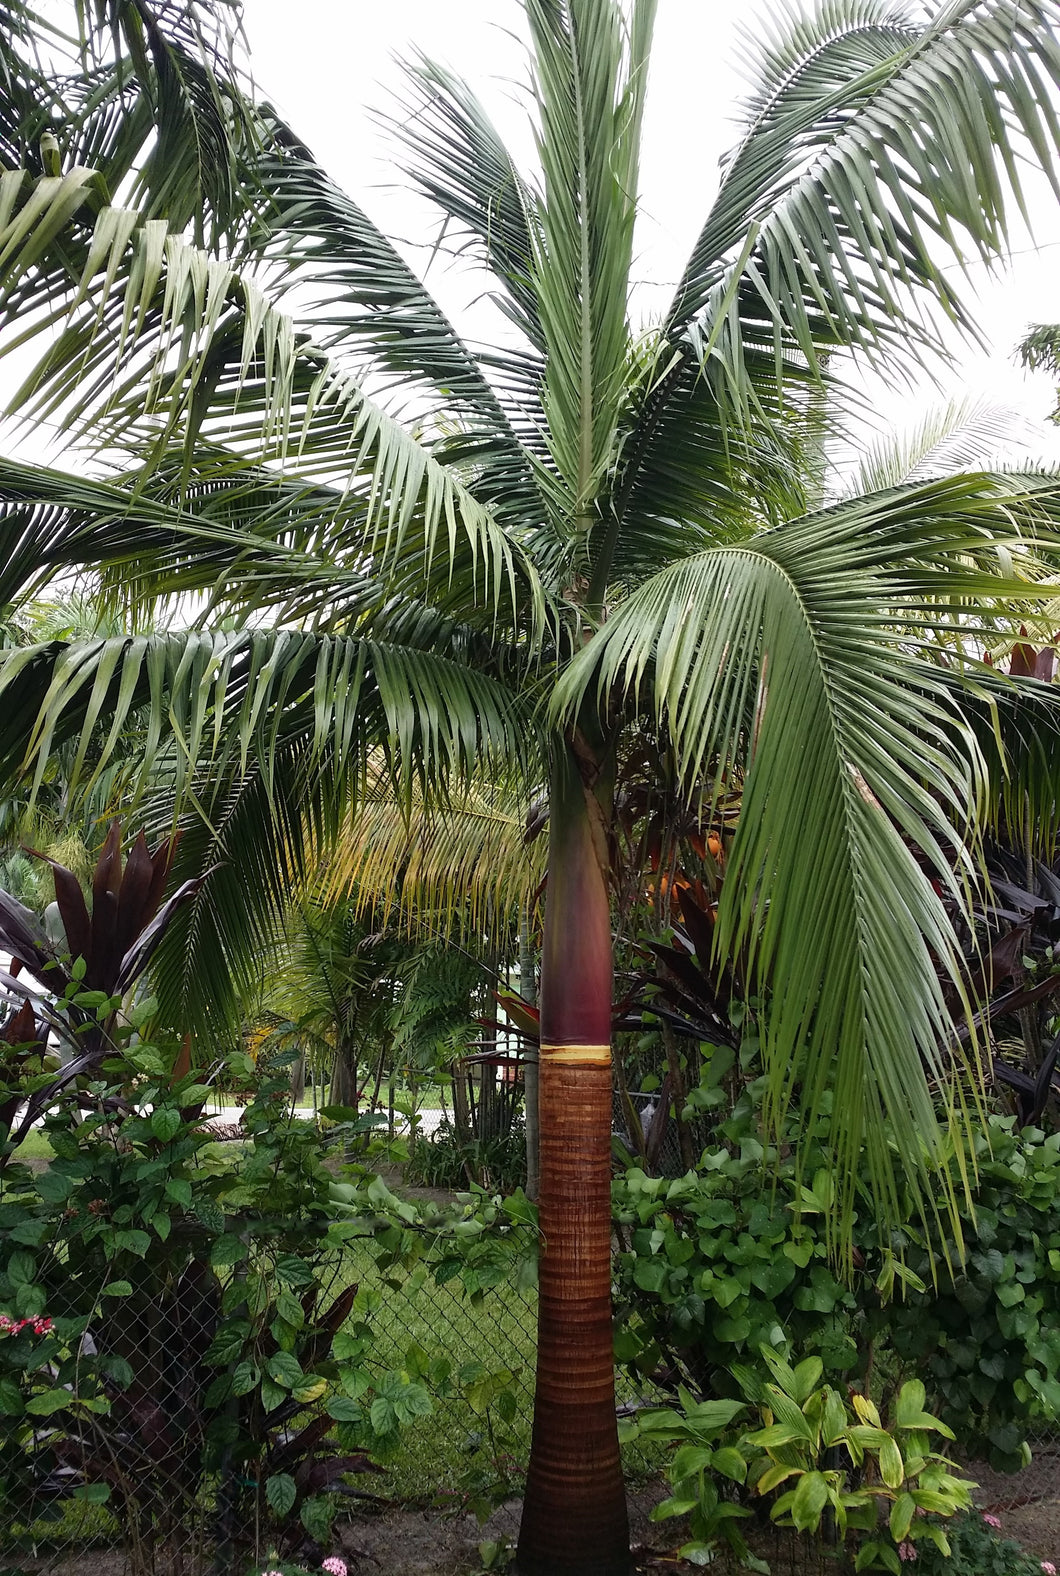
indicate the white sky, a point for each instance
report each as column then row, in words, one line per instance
column 329, row 64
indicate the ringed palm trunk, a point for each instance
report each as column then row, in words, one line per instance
column 574, row 1515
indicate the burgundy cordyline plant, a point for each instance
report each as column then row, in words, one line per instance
column 112, row 944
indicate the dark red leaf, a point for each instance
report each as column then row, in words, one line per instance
column 133, row 895
column 139, row 954
column 698, row 924
column 22, row 937
column 161, row 864
column 21, row 1027
column 73, row 910
column 106, row 881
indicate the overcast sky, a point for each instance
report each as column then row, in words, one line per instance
column 331, row 66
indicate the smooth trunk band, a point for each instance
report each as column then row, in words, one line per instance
column 577, row 1055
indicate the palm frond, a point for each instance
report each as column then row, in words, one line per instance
column 223, row 365
column 1016, row 723
column 54, row 523
column 590, row 80
column 459, row 161
column 686, row 480
column 227, row 700
column 454, row 866
column 151, row 96
column 1039, row 349
column 364, row 296
column 791, row 659
column 24, row 86
column 194, row 161
column 966, row 434
column 872, row 137
column 271, row 738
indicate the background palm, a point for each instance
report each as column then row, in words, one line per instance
column 582, row 525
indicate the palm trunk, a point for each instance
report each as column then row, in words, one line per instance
column 574, row 1516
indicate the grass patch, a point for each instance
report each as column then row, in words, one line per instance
column 34, row 1146
column 460, row 1444
column 458, row 1451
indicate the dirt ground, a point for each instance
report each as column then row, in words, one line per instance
column 424, row 1543
column 1027, row 1504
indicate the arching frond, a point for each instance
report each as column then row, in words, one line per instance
column 364, row 296
column 792, row 656
column 872, row 137
column 151, row 96
column 966, row 434
column 228, row 700
column 459, row 161
column 1017, row 731
column 590, row 80
column 222, row 364
column 452, row 866
column 686, row 480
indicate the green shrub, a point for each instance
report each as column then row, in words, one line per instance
column 821, row 1458
column 202, row 1328
column 444, row 1160
column 199, row 1325
column 977, row 1546
column 719, row 1263
column 986, row 1338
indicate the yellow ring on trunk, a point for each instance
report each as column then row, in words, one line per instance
column 578, row 1055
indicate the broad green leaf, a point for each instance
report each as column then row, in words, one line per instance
column 809, row 1499
column 93, row 1493
column 227, row 1250
column 50, row 1401
column 285, row 1369
column 166, row 1123
column 281, row 1493
column 892, row 1468
column 901, row 1518
column 245, row 1377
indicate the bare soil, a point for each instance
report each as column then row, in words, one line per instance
column 1027, row 1503
column 426, row 1543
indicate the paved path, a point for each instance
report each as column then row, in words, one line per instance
column 229, row 1116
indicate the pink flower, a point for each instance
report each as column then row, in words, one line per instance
column 907, row 1551
column 272, row 1573
column 334, row 1566
column 1049, row 1568
column 992, row 1521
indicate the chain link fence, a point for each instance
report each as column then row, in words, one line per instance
column 121, row 1486
column 125, row 1493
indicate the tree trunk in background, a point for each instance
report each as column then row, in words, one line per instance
column 574, row 1516
column 344, row 1078
column 461, row 1109
column 298, row 1079
column 488, row 1112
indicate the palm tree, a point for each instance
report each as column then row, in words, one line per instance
column 587, row 530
